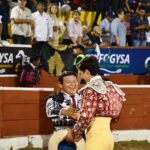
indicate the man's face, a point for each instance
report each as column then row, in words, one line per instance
column 141, row 12
column 121, row 16
column 110, row 19
column 22, row 3
column 70, row 84
column 40, row 7
column 83, row 75
column 95, row 34
column 76, row 17
column 37, row 62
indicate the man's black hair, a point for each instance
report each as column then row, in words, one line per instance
column 119, row 11
column 89, row 63
column 34, row 58
column 64, row 74
column 41, row 2
column 76, row 12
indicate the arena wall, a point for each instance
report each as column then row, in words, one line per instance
column 22, row 110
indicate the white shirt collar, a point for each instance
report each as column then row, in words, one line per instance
column 69, row 96
column 95, row 78
column 96, row 83
column 40, row 13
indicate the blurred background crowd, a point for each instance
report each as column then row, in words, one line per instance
column 59, row 30
column 73, row 21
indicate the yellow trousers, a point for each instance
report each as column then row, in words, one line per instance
column 99, row 136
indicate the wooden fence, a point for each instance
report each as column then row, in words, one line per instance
column 22, row 110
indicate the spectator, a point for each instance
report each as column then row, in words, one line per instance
column 43, row 32
column 56, row 64
column 105, row 26
column 95, row 36
column 22, row 23
column 58, row 27
column 85, row 39
column 42, row 22
column 118, row 30
column 139, row 26
column 5, row 13
column 30, row 75
column 73, row 33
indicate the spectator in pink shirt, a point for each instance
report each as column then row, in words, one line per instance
column 73, row 33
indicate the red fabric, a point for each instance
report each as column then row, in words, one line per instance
column 96, row 104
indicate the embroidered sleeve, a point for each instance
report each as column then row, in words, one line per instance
column 52, row 107
column 87, row 112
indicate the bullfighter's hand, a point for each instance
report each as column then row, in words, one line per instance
column 69, row 111
column 69, row 136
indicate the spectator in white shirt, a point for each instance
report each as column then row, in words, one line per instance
column 73, row 33
column 58, row 26
column 43, row 32
column 22, row 23
column 43, row 28
column 0, row 26
column 105, row 26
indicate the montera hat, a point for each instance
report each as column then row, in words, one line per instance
column 58, row 136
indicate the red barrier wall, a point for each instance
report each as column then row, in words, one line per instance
column 22, row 112
column 49, row 81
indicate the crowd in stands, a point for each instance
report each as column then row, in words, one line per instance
column 27, row 23
column 46, row 24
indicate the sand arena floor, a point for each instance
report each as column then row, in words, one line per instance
column 132, row 145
